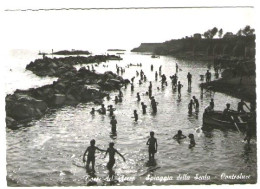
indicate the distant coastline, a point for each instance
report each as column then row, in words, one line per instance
column 73, row 52
column 116, row 50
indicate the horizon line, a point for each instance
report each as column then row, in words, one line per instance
column 130, row 8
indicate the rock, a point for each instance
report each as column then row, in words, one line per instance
column 23, row 107
column 59, row 99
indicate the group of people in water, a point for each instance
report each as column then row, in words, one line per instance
column 152, row 141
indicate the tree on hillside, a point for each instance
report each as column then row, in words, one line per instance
column 248, row 31
column 213, row 32
column 207, row 34
column 239, row 33
column 220, row 33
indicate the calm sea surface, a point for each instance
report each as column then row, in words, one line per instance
column 48, row 152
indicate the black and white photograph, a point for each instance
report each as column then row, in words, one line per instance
column 128, row 93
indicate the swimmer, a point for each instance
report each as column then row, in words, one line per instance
column 116, row 99
column 102, row 110
column 91, row 154
column 112, row 151
column 192, row 141
column 152, row 149
column 92, row 111
column 179, row 135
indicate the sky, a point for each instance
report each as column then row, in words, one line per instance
column 103, row 29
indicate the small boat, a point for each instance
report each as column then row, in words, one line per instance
column 215, row 119
column 154, row 56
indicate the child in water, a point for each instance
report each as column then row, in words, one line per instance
column 179, row 135
column 135, row 115
column 143, row 107
column 113, row 123
column 192, row 141
column 152, row 149
column 92, row 111
column 138, row 97
column 91, row 154
column 111, row 151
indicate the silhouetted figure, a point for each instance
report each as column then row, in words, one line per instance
column 179, row 135
column 156, row 76
column 163, row 79
column 111, row 110
column 177, row 68
column 240, row 106
column 102, row 110
column 135, row 115
column 113, row 123
column 189, row 76
column 190, row 106
column 196, row 102
column 154, row 104
column 212, row 104
column 192, row 141
column 152, row 149
column 151, row 67
column 208, row 76
column 116, row 99
column 91, row 154
column 226, row 112
column 179, row 88
column 92, row 111
column 111, row 151
column 138, row 97
column 143, row 107
column 132, row 87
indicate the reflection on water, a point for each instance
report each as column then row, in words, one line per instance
column 49, row 151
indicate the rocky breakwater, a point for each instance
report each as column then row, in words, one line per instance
column 71, row 88
column 54, row 67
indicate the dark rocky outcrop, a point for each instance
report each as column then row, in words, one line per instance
column 202, row 49
column 71, row 88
